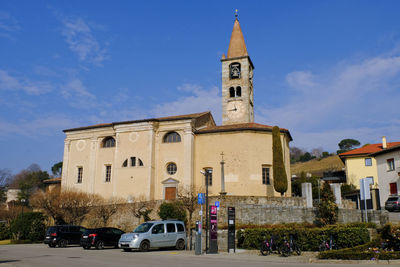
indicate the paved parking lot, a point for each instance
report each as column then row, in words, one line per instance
column 41, row 255
column 394, row 217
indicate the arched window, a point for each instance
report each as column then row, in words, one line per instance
column 172, row 137
column 238, row 91
column 234, row 70
column 108, row 142
column 232, row 92
column 133, row 162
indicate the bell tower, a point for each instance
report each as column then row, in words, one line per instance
column 237, row 81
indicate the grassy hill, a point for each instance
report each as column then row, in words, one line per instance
column 318, row 166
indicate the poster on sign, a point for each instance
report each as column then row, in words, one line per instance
column 213, row 223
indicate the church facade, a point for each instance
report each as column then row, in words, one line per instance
column 153, row 158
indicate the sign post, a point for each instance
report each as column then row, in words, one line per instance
column 365, row 193
column 231, row 229
column 213, row 231
column 201, row 201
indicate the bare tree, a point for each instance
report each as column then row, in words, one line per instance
column 5, row 177
column 105, row 209
column 49, row 204
column 187, row 195
column 317, row 152
column 141, row 208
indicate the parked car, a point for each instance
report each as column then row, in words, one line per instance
column 155, row 234
column 393, row 203
column 101, row 237
column 63, row 235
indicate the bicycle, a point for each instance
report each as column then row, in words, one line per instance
column 289, row 246
column 268, row 246
column 328, row 245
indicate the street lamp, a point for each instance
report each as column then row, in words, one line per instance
column 23, row 204
column 207, row 173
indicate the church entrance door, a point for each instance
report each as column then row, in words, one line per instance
column 170, row 193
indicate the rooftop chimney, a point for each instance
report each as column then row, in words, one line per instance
column 384, row 144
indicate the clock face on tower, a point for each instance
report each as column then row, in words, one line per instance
column 235, row 110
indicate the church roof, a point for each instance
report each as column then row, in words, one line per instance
column 252, row 126
column 237, row 46
column 169, row 118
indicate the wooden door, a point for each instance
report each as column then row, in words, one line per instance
column 393, row 188
column 170, row 193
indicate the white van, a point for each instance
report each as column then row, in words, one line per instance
column 155, row 234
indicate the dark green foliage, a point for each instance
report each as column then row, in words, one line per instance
column 308, row 239
column 172, row 210
column 4, row 231
column 327, row 210
column 325, row 154
column 28, row 226
column 296, row 185
column 347, row 188
column 347, row 144
column 306, row 157
column 367, row 251
column 57, row 168
column 278, row 166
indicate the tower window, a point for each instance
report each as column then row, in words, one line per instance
column 234, row 70
column 238, row 91
column 108, row 142
column 232, row 92
column 172, row 137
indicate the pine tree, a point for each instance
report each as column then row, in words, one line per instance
column 327, row 209
column 279, row 172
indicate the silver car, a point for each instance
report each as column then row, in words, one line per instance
column 155, row 234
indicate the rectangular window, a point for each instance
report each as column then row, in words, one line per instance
column 80, row 173
column 390, row 164
column 133, row 161
column 368, row 162
column 265, row 175
column 108, row 173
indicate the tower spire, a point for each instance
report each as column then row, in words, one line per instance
column 237, row 46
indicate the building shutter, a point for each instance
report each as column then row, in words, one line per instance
column 170, row 193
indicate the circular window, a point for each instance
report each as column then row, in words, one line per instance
column 171, row 168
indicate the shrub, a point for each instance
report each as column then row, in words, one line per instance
column 172, row 210
column 4, row 231
column 28, row 226
column 308, row 239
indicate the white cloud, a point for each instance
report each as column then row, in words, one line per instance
column 353, row 100
column 37, row 127
column 81, row 40
column 77, row 95
column 199, row 100
column 8, row 25
column 9, row 82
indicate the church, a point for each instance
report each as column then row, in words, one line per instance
column 153, row 158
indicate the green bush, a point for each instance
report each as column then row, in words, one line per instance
column 172, row 210
column 309, row 239
column 368, row 251
column 28, row 226
column 4, row 231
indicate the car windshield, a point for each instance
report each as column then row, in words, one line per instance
column 143, row 228
column 88, row 231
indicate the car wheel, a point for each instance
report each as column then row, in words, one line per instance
column 144, row 246
column 62, row 243
column 100, row 244
column 51, row 245
column 127, row 249
column 180, row 244
column 86, row 247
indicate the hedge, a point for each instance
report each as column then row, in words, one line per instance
column 368, row 251
column 309, row 239
column 28, row 226
column 4, row 231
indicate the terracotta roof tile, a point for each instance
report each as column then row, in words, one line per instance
column 240, row 127
column 237, row 46
column 368, row 149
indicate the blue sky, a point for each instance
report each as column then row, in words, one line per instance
column 325, row 70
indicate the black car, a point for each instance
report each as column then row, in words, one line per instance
column 393, row 203
column 63, row 235
column 101, row 237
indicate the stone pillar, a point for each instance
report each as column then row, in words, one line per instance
column 337, row 193
column 306, row 191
